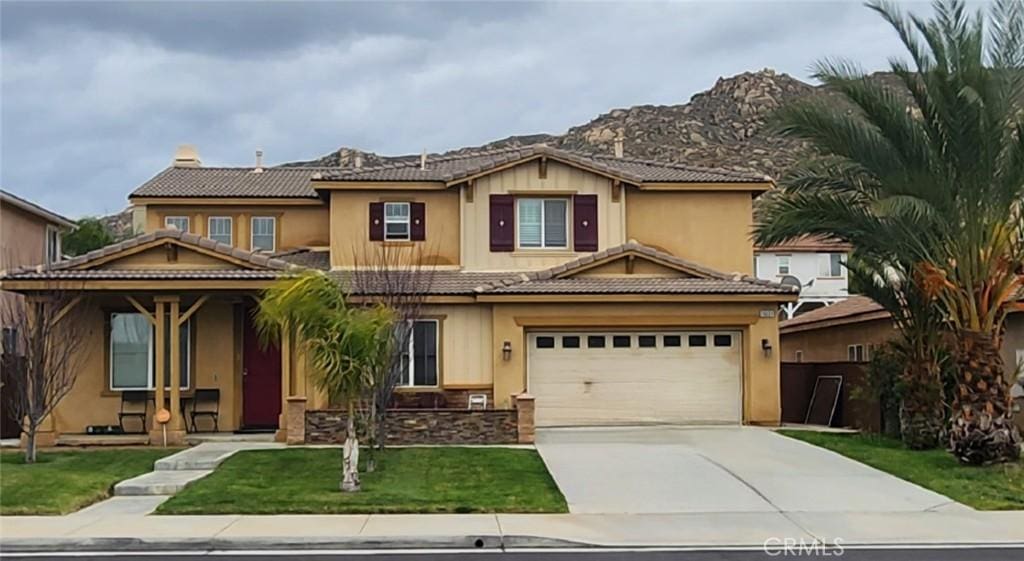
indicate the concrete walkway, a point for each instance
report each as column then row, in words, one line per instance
column 175, row 472
column 99, row 530
column 647, row 470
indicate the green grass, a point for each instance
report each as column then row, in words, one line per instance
column 65, row 481
column 407, row 480
column 998, row 487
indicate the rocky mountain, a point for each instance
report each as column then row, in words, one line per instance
column 723, row 127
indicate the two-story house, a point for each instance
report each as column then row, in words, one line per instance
column 815, row 264
column 30, row 235
column 610, row 289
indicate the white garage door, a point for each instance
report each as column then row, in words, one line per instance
column 615, row 377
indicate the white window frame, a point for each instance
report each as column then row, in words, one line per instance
column 825, row 266
column 231, row 228
column 543, row 224
column 53, row 238
column 407, row 221
column 252, row 234
column 188, row 223
column 779, row 259
column 151, row 371
column 852, row 352
column 411, row 366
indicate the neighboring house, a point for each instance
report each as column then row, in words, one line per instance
column 613, row 290
column 815, row 264
column 850, row 330
column 29, row 235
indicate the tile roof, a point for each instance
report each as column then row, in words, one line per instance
column 851, row 310
column 28, row 206
column 639, row 285
column 443, row 282
column 309, row 258
column 63, row 269
column 144, row 274
column 230, row 182
column 457, row 167
column 808, row 244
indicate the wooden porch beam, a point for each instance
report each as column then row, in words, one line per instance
column 142, row 310
column 193, row 309
column 67, row 308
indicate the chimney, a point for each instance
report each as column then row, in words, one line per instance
column 186, row 156
column 358, row 161
column 259, row 162
column 618, row 144
column 423, row 159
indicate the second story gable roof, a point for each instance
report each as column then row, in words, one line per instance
column 8, row 198
column 455, row 168
column 228, row 182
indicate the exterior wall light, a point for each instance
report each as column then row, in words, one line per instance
column 506, row 350
column 766, row 346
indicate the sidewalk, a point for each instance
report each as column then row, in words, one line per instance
column 120, row 526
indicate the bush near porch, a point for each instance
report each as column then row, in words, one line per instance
column 407, row 480
column 996, row 487
column 64, row 481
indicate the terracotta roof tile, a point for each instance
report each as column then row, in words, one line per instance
column 292, row 182
column 808, row 244
column 854, row 308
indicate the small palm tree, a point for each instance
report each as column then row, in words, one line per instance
column 347, row 345
column 927, row 175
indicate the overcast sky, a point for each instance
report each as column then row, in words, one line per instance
column 95, row 96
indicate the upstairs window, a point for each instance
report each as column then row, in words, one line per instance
column 830, row 265
column 782, row 264
column 396, row 221
column 264, row 233
column 220, row 229
column 543, row 223
column 52, row 245
column 179, row 223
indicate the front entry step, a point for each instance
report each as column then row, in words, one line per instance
column 163, row 482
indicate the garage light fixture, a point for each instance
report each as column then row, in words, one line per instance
column 766, row 346
column 506, row 350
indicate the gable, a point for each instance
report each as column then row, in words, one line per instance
column 541, row 175
column 632, row 260
column 632, row 265
column 169, row 256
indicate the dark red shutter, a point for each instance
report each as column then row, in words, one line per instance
column 584, row 217
column 376, row 222
column 503, row 228
column 418, row 225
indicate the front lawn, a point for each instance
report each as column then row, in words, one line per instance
column 410, row 480
column 65, row 481
column 999, row 487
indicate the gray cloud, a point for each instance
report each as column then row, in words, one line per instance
column 96, row 96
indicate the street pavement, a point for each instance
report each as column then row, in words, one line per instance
column 975, row 554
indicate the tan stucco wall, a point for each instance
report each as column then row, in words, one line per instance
column 90, row 401
column 22, row 238
column 297, row 226
column 350, row 227
column 561, row 180
column 466, row 351
column 829, row 344
column 711, row 228
column 761, row 403
column 158, row 258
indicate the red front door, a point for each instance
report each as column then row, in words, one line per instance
column 261, row 379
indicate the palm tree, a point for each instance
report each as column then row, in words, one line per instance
column 927, row 175
column 347, row 345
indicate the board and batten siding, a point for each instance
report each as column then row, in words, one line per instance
column 466, row 353
column 561, row 180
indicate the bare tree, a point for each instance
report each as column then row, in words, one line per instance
column 43, row 344
column 400, row 278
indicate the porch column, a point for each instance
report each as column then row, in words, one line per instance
column 159, row 399
column 175, row 425
column 286, row 384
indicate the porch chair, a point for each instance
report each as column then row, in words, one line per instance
column 131, row 401
column 206, row 403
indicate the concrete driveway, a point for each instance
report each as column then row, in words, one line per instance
column 731, row 469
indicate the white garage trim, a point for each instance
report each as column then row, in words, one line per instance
column 607, row 377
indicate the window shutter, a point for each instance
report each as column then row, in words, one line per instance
column 417, row 221
column 503, row 229
column 376, row 222
column 584, row 220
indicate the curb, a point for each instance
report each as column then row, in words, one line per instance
column 485, row 542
